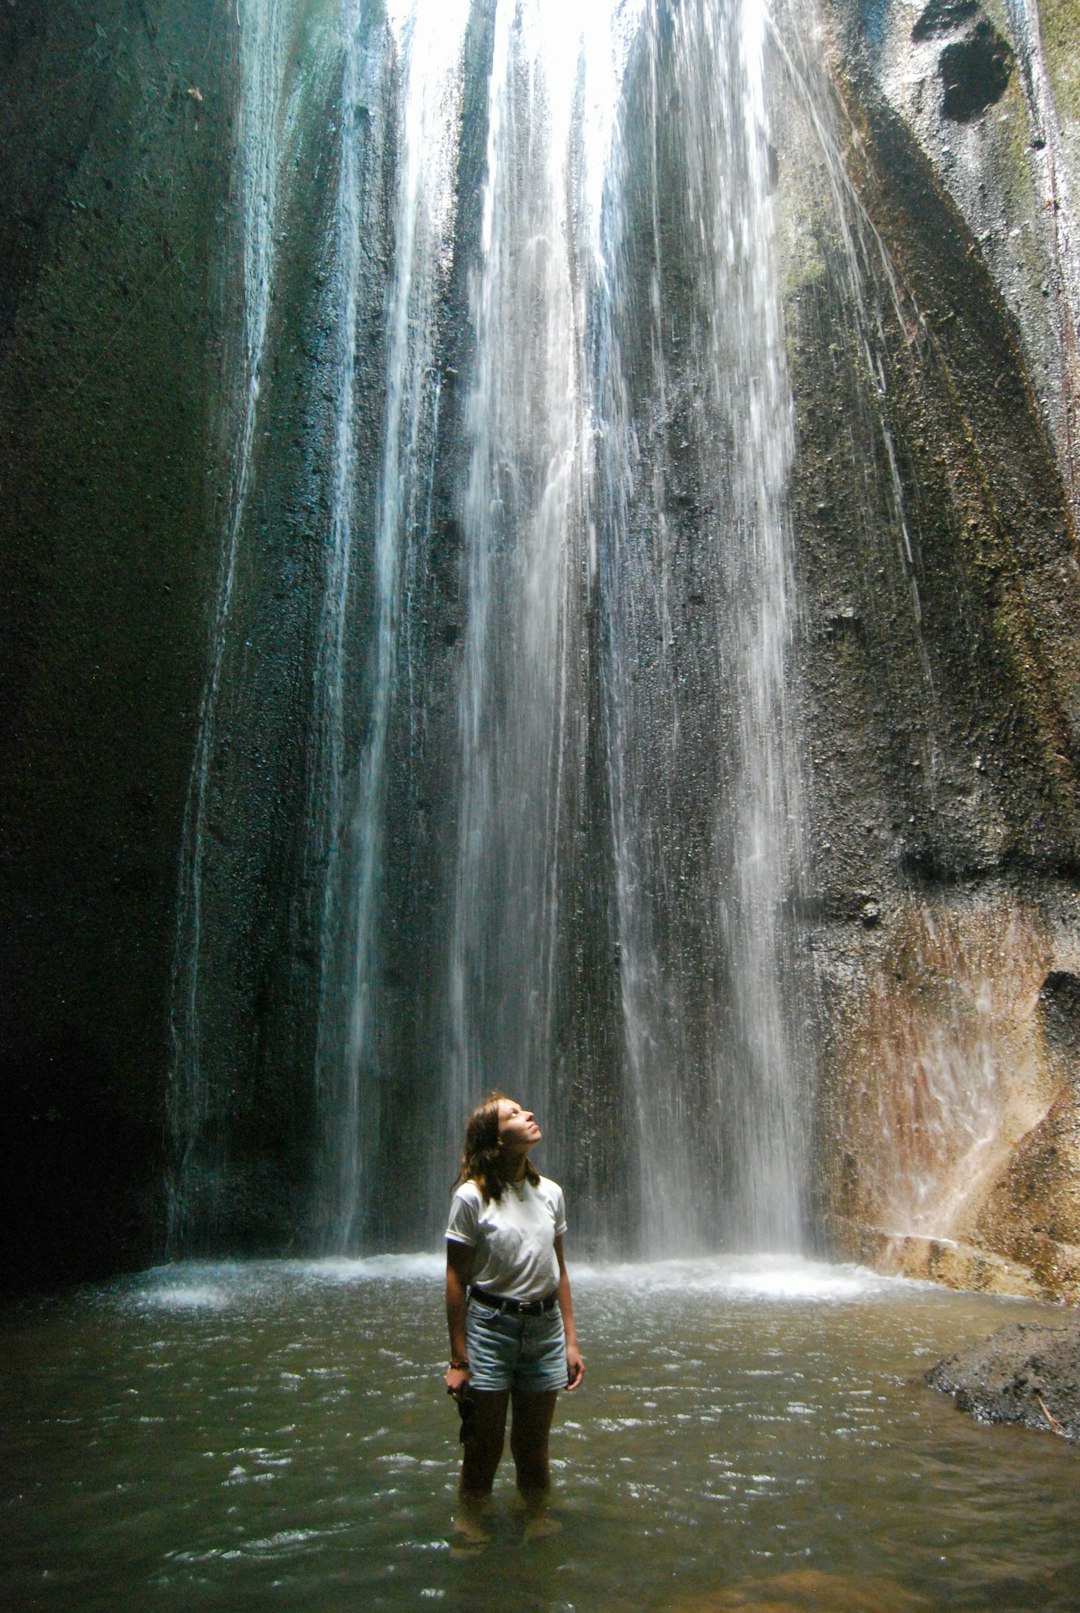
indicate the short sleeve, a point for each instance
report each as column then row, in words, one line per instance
column 559, row 1208
column 464, row 1211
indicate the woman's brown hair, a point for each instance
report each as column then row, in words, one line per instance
column 481, row 1154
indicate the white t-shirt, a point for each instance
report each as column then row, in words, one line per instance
column 514, row 1237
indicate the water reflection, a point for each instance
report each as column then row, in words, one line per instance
column 229, row 1435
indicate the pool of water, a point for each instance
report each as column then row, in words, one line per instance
column 750, row 1434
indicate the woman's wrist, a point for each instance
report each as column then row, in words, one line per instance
column 459, row 1364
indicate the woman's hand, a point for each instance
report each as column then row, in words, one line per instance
column 459, row 1265
column 575, row 1366
column 456, row 1381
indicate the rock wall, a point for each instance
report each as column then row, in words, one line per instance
column 945, row 825
column 115, row 131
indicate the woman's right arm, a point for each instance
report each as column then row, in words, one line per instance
column 459, row 1268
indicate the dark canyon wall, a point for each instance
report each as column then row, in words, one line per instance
column 930, row 319
column 115, row 138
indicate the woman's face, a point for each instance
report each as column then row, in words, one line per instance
column 517, row 1126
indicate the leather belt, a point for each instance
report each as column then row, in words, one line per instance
column 516, row 1307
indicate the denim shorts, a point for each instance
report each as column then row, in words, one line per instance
column 510, row 1351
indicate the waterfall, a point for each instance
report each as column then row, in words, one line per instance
column 525, row 522
column 695, row 577
column 749, row 389
column 262, row 136
column 351, row 1074
column 553, row 797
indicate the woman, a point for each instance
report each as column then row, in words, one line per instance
column 512, row 1335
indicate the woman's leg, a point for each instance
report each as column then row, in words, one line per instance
column 533, row 1411
column 483, row 1429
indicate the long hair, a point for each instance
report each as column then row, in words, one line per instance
column 481, row 1155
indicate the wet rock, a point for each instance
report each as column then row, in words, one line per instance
column 1023, row 1374
column 1031, row 1212
column 975, row 72
column 965, row 982
column 843, row 620
column 943, row 17
column 1059, row 1008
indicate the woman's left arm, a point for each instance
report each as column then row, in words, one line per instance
column 575, row 1366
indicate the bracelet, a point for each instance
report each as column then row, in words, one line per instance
column 460, row 1366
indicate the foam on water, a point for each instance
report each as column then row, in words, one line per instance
column 373, row 1267
column 213, row 1285
column 181, row 1297
column 765, row 1276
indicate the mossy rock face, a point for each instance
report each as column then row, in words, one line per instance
column 1059, row 27
column 948, row 565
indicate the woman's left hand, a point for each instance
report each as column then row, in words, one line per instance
column 456, row 1381
column 575, row 1367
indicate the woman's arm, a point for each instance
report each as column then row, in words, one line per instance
column 459, row 1268
column 575, row 1366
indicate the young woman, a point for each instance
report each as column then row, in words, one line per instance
column 512, row 1336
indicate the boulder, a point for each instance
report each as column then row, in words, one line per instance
column 1022, row 1374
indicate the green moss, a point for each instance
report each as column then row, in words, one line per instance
column 1059, row 22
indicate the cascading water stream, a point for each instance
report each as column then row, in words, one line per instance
column 328, row 808
column 350, row 1073
column 697, row 597
column 615, row 769
column 524, row 523
column 562, row 154
column 262, row 137
column 1048, row 150
column 751, row 389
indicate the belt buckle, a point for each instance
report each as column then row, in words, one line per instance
column 533, row 1307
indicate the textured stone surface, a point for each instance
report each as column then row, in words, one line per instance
column 114, row 181
column 948, row 1060
column 1023, row 1374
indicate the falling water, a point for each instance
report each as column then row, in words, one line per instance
column 525, row 522
column 750, row 390
column 263, row 135
column 697, row 594
column 583, row 361
column 351, row 1075
column 567, row 491
column 1049, row 152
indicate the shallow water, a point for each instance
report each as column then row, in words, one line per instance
column 276, row 1435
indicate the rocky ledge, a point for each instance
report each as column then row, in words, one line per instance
column 1024, row 1374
